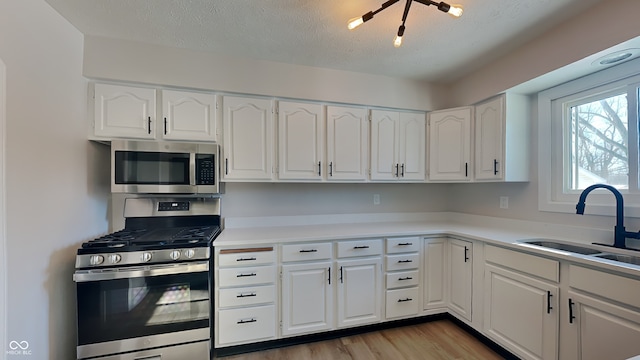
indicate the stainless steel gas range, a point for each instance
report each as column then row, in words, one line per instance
column 145, row 292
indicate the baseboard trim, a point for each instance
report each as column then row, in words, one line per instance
column 334, row 334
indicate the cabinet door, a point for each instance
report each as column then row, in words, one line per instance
column 434, row 273
column 412, row 148
column 248, row 139
column 307, row 298
column 384, row 145
column 347, row 143
column 489, row 129
column 300, row 140
column 521, row 313
column 188, row 116
column 359, row 294
column 460, row 277
column 604, row 330
column 125, row 112
column 449, row 145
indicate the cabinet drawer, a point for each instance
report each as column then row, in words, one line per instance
column 531, row 264
column 610, row 286
column 402, row 262
column 246, row 257
column 246, row 324
column 246, row 296
column 402, row 279
column 246, row 276
column 404, row 244
column 304, row 252
column 359, row 248
column 402, row 302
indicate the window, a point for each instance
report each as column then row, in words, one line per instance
column 588, row 134
column 596, row 136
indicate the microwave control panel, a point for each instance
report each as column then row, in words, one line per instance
column 205, row 169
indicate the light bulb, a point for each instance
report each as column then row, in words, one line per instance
column 355, row 22
column 455, row 11
column 397, row 41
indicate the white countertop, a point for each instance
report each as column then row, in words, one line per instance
column 509, row 233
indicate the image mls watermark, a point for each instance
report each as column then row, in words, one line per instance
column 18, row 348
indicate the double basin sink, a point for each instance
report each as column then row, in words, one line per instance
column 583, row 250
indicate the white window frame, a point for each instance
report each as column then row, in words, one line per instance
column 551, row 146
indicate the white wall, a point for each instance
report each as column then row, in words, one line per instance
column 316, row 199
column 138, row 62
column 598, row 28
column 3, row 244
column 603, row 26
column 56, row 196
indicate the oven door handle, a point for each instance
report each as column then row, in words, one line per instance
column 138, row 271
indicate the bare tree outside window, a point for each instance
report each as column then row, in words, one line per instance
column 599, row 143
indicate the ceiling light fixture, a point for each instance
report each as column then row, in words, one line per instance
column 453, row 10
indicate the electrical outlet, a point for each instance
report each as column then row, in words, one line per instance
column 504, row 202
column 376, row 199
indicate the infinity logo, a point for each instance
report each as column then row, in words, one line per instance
column 14, row 345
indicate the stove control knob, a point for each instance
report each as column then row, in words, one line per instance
column 115, row 258
column 174, row 255
column 189, row 253
column 96, row 259
column 145, row 257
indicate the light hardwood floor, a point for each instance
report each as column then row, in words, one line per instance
column 440, row 339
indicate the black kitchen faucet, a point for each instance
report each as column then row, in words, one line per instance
column 620, row 234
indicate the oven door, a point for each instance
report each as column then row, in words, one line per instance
column 135, row 308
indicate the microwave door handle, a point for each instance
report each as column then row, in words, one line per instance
column 192, row 169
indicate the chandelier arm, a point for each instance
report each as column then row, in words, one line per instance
column 427, row 2
column 406, row 11
column 385, row 5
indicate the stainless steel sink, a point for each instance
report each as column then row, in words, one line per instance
column 550, row 244
column 629, row 259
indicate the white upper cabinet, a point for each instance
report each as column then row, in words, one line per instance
column 130, row 112
column 397, row 145
column 347, row 143
column 412, row 146
column 124, row 112
column 502, row 139
column 450, row 145
column 248, row 139
column 301, row 141
column 188, row 116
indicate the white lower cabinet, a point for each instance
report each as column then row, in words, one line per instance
column 245, row 296
column 310, row 278
column 359, row 284
column 241, row 325
column 434, row 290
column 521, row 310
column 460, row 277
column 603, row 320
column 307, row 298
column 402, row 275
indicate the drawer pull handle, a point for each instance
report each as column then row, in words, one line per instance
column 246, row 295
column 246, row 259
column 246, row 275
column 308, row 251
column 361, row 247
column 252, row 320
column 404, row 261
column 405, row 278
column 404, row 300
column 405, row 244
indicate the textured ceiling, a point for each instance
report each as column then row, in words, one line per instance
column 436, row 48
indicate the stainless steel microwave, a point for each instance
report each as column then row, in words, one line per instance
column 152, row 167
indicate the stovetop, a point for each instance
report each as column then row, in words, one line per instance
column 152, row 239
